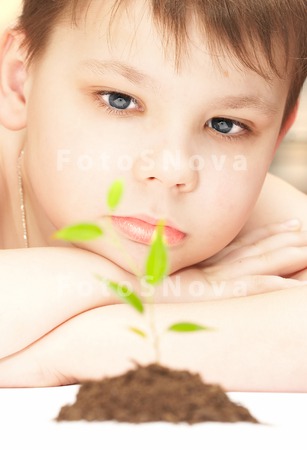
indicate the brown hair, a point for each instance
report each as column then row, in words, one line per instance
column 244, row 29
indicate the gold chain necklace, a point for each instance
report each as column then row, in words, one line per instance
column 22, row 203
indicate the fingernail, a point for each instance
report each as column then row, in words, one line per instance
column 292, row 224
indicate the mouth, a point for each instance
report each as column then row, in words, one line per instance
column 141, row 230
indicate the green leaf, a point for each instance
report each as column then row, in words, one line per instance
column 138, row 332
column 157, row 261
column 79, row 232
column 187, row 327
column 115, row 194
column 124, row 294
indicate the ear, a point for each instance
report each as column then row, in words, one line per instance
column 13, row 75
column 287, row 125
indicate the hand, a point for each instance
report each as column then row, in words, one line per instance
column 265, row 259
column 260, row 261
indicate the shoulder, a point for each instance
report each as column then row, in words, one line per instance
column 278, row 201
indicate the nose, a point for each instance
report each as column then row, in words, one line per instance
column 170, row 165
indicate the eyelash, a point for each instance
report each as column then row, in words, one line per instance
column 127, row 112
column 113, row 111
column 230, row 137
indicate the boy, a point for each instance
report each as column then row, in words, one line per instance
column 186, row 101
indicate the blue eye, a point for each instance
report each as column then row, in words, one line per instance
column 119, row 101
column 226, row 126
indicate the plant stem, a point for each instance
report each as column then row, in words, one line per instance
column 153, row 329
column 134, row 269
column 117, row 243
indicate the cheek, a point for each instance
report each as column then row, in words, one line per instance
column 64, row 183
column 225, row 206
column 78, row 136
column 71, row 159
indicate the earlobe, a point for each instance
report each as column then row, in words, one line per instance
column 12, row 81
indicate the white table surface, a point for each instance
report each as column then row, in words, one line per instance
column 27, row 422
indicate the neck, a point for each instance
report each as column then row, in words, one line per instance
column 39, row 228
column 10, row 226
column 23, row 214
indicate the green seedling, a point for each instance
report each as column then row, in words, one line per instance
column 156, row 268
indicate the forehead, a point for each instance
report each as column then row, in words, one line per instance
column 178, row 33
column 130, row 45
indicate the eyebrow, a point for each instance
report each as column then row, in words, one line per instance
column 246, row 102
column 100, row 68
column 137, row 77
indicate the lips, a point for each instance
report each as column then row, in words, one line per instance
column 141, row 231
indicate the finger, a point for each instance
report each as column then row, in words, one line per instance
column 280, row 262
column 249, row 285
column 300, row 275
column 270, row 244
column 261, row 284
column 267, row 231
column 253, row 237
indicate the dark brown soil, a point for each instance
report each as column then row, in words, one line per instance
column 152, row 394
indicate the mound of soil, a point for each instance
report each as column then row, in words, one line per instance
column 152, row 394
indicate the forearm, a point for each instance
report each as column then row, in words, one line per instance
column 258, row 344
column 43, row 287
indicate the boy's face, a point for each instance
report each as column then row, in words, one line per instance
column 193, row 146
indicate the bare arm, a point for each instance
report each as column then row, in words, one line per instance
column 278, row 201
column 43, row 287
column 259, row 344
column 51, row 289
